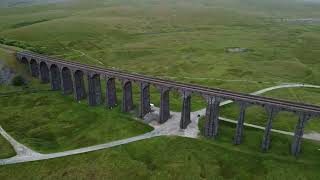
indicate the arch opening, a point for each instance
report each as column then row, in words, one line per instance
column 34, row 68
column 44, row 73
column 67, row 83
column 55, row 77
column 24, row 60
column 111, row 95
column 94, row 90
column 127, row 101
column 80, row 91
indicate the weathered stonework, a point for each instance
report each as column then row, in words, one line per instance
column 94, row 90
column 127, row 101
column 111, row 96
column 67, row 84
column 239, row 131
column 271, row 111
column 297, row 139
column 44, row 73
column 55, row 78
column 186, row 109
column 145, row 107
column 70, row 76
column 212, row 117
column 79, row 86
column 164, row 105
column 34, row 67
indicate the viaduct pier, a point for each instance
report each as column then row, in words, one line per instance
column 73, row 77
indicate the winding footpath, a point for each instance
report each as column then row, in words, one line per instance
column 171, row 127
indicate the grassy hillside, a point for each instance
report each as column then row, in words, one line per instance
column 183, row 40
column 49, row 122
column 180, row 158
column 5, row 149
column 178, row 40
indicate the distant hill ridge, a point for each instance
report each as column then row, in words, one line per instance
column 15, row 3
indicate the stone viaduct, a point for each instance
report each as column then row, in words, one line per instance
column 70, row 77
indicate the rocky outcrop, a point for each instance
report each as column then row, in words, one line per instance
column 6, row 74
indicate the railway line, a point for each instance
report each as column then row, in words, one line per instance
column 202, row 90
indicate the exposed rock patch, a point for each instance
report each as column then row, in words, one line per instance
column 6, row 74
column 236, row 50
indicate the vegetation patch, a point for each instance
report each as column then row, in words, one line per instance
column 24, row 45
column 49, row 122
column 174, row 158
column 28, row 23
column 6, row 149
column 18, row 80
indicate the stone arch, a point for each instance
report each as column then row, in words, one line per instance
column 55, row 77
column 24, row 60
column 79, row 86
column 94, row 90
column 34, row 67
column 111, row 95
column 145, row 107
column 44, row 72
column 67, row 84
column 127, row 101
column 164, row 104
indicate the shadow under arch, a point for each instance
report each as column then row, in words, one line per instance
column 34, row 68
column 44, row 73
column 94, row 90
column 79, row 85
column 67, row 83
column 55, row 77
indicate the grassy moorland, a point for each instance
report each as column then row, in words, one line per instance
column 179, row 40
column 49, row 122
column 5, row 149
column 181, row 158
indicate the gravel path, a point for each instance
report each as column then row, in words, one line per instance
column 32, row 156
column 171, row 127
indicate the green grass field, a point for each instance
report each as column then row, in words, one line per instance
column 5, row 149
column 182, row 40
column 49, row 122
column 181, row 158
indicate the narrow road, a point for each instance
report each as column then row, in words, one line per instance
column 171, row 127
column 33, row 156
